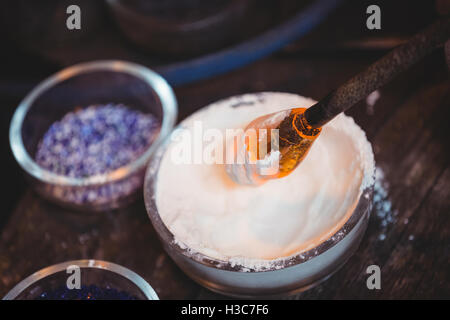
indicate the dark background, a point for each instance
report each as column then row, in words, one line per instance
column 408, row 127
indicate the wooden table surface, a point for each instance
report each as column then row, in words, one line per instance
column 409, row 230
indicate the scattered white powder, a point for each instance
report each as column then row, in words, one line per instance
column 256, row 227
column 382, row 205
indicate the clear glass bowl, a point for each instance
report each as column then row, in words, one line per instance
column 93, row 272
column 79, row 86
column 287, row 276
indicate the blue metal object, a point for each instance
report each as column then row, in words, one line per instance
column 259, row 47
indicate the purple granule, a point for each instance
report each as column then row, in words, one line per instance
column 96, row 140
column 91, row 292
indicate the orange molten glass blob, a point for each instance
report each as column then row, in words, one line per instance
column 288, row 133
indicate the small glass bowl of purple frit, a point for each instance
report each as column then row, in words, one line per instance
column 85, row 135
column 83, row 280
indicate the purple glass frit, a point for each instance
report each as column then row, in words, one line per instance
column 96, row 140
column 91, row 292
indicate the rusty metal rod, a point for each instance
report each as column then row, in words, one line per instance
column 379, row 73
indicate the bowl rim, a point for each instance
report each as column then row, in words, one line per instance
column 154, row 80
column 361, row 210
column 172, row 25
column 136, row 279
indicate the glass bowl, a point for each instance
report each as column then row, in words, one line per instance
column 284, row 277
column 93, row 272
column 180, row 27
column 79, row 86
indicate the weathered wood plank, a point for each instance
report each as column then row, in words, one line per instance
column 412, row 163
column 408, row 127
